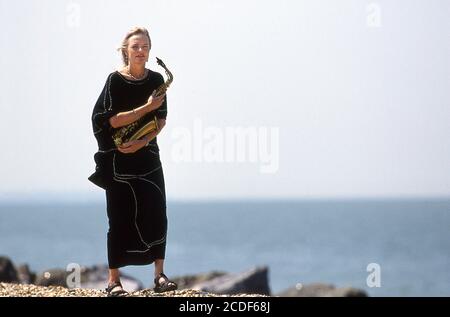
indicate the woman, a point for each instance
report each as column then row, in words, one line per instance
column 131, row 174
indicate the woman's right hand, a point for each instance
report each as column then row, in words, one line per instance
column 154, row 102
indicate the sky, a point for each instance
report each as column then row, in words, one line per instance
column 270, row 99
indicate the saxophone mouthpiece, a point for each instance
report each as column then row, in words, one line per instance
column 160, row 62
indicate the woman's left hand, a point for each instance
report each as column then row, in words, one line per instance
column 131, row 146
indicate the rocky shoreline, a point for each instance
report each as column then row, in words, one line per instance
column 20, row 281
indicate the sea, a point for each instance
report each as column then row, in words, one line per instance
column 389, row 247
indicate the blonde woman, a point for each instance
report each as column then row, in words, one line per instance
column 132, row 174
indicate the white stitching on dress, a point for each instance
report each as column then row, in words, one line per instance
column 109, row 94
column 131, row 175
column 151, row 245
column 153, row 152
column 136, row 209
column 153, row 184
column 141, row 81
column 106, row 151
column 108, row 91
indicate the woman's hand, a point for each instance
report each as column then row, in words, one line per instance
column 132, row 146
column 154, row 102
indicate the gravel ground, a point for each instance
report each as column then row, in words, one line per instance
column 30, row 290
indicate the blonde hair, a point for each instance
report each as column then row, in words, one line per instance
column 134, row 31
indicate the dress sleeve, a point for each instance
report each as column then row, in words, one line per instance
column 161, row 112
column 104, row 109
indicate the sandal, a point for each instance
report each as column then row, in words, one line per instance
column 165, row 286
column 115, row 290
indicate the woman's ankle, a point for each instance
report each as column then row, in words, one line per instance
column 114, row 276
column 112, row 280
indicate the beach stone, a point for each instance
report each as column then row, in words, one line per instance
column 96, row 277
column 254, row 280
column 187, row 281
column 321, row 290
column 8, row 272
column 54, row 277
column 25, row 275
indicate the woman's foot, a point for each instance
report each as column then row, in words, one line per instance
column 115, row 289
column 163, row 284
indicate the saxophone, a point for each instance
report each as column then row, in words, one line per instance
column 147, row 123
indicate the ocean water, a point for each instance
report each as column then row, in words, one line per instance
column 330, row 241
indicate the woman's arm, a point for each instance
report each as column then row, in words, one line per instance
column 124, row 118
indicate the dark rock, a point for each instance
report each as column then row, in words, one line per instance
column 8, row 272
column 56, row 277
column 95, row 277
column 25, row 275
column 253, row 281
column 188, row 281
column 321, row 290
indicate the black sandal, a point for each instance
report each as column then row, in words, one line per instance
column 115, row 293
column 166, row 285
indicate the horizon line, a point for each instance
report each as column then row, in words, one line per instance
column 58, row 198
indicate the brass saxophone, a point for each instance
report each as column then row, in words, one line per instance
column 146, row 124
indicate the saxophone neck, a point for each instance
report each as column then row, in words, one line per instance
column 168, row 73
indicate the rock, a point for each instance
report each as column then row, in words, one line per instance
column 254, row 280
column 55, row 277
column 349, row 292
column 95, row 277
column 187, row 281
column 8, row 272
column 24, row 274
column 321, row 290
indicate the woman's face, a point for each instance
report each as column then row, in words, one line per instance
column 138, row 49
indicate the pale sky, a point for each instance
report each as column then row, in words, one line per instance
column 344, row 99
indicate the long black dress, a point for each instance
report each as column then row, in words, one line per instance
column 134, row 182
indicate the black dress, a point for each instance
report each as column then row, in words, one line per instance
column 134, row 182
